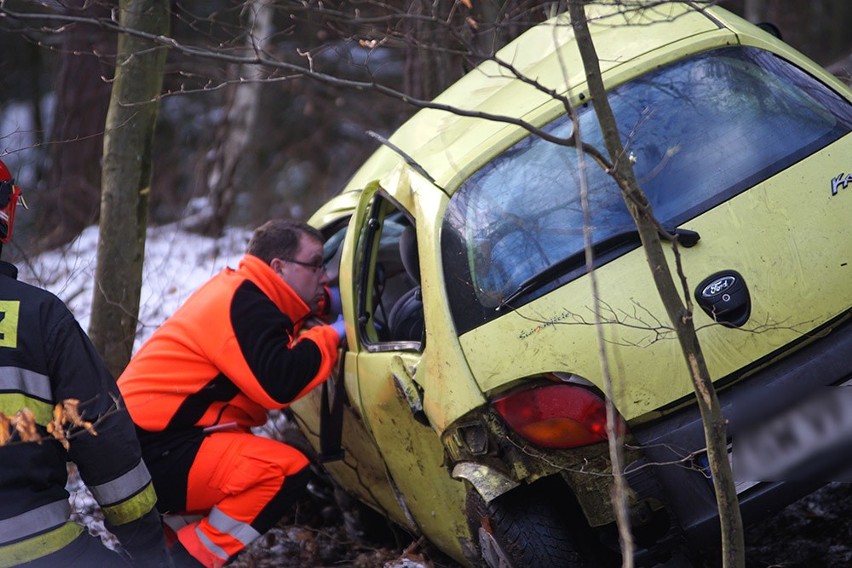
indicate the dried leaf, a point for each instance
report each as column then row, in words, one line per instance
column 56, row 428
column 57, row 418
column 5, row 429
column 66, row 415
column 72, row 414
column 25, row 425
column 472, row 23
column 468, row 4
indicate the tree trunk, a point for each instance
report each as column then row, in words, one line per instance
column 221, row 173
column 733, row 549
column 443, row 40
column 817, row 28
column 126, row 181
column 755, row 10
column 429, row 66
column 70, row 199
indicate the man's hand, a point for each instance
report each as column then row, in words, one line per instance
column 340, row 327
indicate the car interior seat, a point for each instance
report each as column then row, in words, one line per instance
column 405, row 319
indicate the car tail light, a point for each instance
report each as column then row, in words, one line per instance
column 556, row 416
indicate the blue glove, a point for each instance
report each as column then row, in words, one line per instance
column 340, row 327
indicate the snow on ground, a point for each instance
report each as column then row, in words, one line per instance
column 176, row 264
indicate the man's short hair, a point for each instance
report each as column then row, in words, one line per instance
column 280, row 238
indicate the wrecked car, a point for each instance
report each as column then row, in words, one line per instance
column 473, row 409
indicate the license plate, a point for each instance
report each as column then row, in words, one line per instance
column 813, row 430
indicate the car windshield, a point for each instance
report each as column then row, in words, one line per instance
column 698, row 132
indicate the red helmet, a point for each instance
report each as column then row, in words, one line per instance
column 9, row 193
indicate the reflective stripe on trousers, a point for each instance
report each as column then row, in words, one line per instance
column 239, row 479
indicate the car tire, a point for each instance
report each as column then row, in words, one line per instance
column 531, row 526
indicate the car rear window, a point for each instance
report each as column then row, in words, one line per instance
column 698, row 131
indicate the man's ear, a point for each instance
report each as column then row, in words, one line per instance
column 275, row 264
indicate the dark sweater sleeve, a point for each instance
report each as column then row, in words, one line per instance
column 264, row 335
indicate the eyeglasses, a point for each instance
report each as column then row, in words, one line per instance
column 313, row 266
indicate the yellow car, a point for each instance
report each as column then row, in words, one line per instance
column 474, row 410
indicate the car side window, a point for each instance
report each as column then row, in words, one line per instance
column 390, row 306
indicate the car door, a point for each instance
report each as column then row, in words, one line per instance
column 359, row 468
column 391, row 344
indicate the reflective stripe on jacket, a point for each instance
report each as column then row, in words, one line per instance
column 40, row 545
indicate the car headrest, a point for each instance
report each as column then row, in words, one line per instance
column 408, row 253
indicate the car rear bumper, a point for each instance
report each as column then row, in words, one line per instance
column 672, row 472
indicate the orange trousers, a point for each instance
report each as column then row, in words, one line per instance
column 243, row 484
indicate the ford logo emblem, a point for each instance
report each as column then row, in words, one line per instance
column 718, row 286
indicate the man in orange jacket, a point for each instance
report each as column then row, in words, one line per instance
column 237, row 348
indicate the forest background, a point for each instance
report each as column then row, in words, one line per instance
column 223, row 158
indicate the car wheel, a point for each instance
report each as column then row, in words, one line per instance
column 531, row 526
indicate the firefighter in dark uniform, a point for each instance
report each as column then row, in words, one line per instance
column 45, row 359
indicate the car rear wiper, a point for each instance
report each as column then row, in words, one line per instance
column 685, row 237
column 575, row 260
column 568, row 263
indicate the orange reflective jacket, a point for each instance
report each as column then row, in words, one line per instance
column 229, row 354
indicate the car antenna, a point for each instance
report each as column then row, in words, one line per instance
column 408, row 159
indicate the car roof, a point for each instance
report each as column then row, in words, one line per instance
column 449, row 147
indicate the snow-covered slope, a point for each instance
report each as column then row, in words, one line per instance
column 176, row 263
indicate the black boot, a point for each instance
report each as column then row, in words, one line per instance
column 182, row 558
